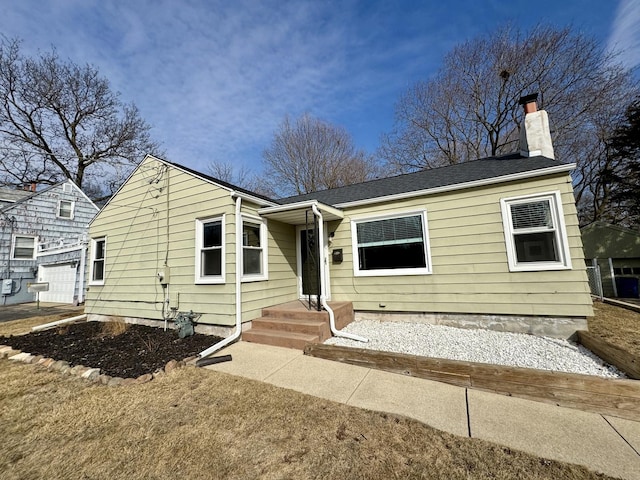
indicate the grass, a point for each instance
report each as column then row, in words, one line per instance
column 200, row 424
column 617, row 326
column 20, row 327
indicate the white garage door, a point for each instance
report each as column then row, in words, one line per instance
column 62, row 282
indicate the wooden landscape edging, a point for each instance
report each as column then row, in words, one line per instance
column 611, row 354
column 616, row 397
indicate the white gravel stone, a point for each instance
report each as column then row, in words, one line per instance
column 475, row 345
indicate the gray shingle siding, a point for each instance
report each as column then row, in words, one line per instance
column 36, row 215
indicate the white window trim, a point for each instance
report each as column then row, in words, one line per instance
column 210, row 279
column 73, row 209
column 264, row 245
column 13, row 247
column 93, row 258
column 561, row 238
column 394, row 271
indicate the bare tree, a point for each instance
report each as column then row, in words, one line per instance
column 308, row 154
column 240, row 176
column 470, row 108
column 61, row 120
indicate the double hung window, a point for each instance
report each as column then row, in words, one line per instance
column 254, row 254
column 98, row 257
column 65, row 209
column 24, row 247
column 534, row 233
column 210, row 250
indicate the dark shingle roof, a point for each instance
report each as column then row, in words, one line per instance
column 218, row 181
column 482, row 169
column 10, row 195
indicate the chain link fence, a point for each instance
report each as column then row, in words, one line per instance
column 595, row 281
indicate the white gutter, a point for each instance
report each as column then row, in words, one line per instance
column 460, row 186
column 236, row 334
column 323, row 280
column 45, row 326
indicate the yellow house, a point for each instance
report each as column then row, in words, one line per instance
column 490, row 243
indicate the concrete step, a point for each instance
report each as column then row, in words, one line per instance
column 320, row 328
column 297, row 313
column 279, row 339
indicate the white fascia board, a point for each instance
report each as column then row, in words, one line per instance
column 300, row 205
column 177, row 167
column 461, row 186
column 250, row 198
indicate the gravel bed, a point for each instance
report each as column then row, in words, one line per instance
column 476, row 345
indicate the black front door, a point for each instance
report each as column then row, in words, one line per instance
column 309, row 262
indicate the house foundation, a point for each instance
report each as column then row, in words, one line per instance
column 217, row 330
column 556, row 327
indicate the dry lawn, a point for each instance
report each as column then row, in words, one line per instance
column 618, row 326
column 19, row 327
column 199, row 424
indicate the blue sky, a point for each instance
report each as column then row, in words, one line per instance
column 216, row 78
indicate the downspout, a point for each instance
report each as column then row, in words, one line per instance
column 323, row 280
column 236, row 334
column 83, row 261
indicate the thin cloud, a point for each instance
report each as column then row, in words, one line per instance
column 625, row 33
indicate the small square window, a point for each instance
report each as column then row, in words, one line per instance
column 24, row 247
column 534, row 233
column 65, row 209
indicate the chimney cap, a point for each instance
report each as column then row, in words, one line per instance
column 528, row 99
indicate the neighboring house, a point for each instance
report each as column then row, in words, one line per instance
column 493, row 242
column 43, row 239
column 615, row 252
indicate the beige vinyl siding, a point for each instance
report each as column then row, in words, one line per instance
column 282, row 282
column 469, row 259
column 135, row 226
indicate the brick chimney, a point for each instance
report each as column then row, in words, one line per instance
column 535, row 135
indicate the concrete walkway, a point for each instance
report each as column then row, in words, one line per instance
column 602, row 443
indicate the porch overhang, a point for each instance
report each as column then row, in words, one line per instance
column 295, row 213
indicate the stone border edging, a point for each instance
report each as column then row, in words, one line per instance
column 88, row 373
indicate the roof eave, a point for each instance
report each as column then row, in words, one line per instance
column 564, row 168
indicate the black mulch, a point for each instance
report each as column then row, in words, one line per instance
column 139, row 350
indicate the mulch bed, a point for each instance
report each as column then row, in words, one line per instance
column 136, row 351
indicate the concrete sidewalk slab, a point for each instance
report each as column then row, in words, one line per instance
column 552, row 432
column 436, row 404
column 255, row 361
column 318, row 377
column 629, row 429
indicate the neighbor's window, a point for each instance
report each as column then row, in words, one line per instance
column 24, row 247
column 98, row 256
column 254, row 253
column 396, row 245
column 534, row 233
column 65, row 209
column 210, row 250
